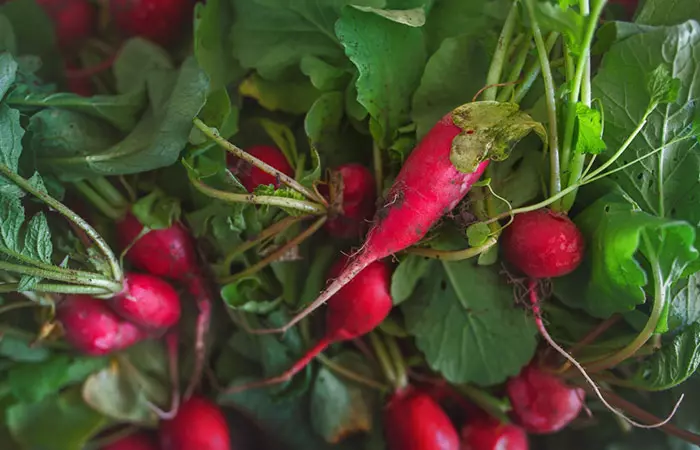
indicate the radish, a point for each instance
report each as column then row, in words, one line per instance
column 252, row 177
column 74, row 21
column 487, row 433
column 147, row 301
column 543, row 244
column 413, row 421
column 541, row 402
column 161, row 21
column 93, row 328
column 138, row 441
column 170, row 253
column 355, row 310
column 199, row 424
column 358, row 202
column 427, row 187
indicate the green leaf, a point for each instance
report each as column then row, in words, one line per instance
column 323, row 76
column 613, row 278
column 339, row 407
column 670, row 366
column 685, row 302
column 11, row 220
column 414, row 17
column 390, row 58
column 246, row 295
column 323, row 121
column 137, row 61
column 8, row 42
column 157, row 210
column 662, row 87
column 562, row 20
column 489, row 130
column 478, row 233
column 518, row 179
column 37, row 239
column 407, row 276
column 20, row 350
column 59, row 422
column 8, row 70
column 31, row 382
column 453, row 75
column 590, row 130
column 666, row 183
column 452, row 18
column 283, row 138
column 10, row 139
column 668, row 12
column 462, row 315
column 295, row 97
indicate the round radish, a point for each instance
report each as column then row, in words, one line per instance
column 147, row 301
column 541, row 402
column 252, row 177
column 486, row 433
column 139, row 441
column 92, row 328
column 199, row 424
column 358, row 202
column 543, row 244
column 161, row 21
column 413, row 421
column 74, row 20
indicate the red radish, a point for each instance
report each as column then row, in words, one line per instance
column 199, row 424
column 138, row 441
column 358, row 201
column 543, row 244
column 147, row 301
column 74, row 20
column 541, row 402
column 161, row 21
column 252, row 177
column 170, row 253
column 355, row 310
column 93, row 328
column 427, row 187
column 487, row 433
column 413, row 421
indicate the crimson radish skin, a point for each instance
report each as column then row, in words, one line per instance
column 543, row 244
column 74, row 20
column 199, row 424
column 252, row 177
column 161, row 21
column 138, row 441
column 487, row 433
column 359, row 198
column 541, row 402
column 147, row 301
column 413, row 421
column 427, row 187
column 93, row 328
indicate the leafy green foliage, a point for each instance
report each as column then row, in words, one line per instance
column 590, row 130
column 247, row 295
column 671, row 12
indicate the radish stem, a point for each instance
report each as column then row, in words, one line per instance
column 98, row 201
column 534, row 70
column 384, row 359
column 453, row 255
column 514, row 75
column 499, row 56
column 351, row 375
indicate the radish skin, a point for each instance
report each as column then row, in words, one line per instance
column 427, row 187
column 358, row 202
column 252, row 177
column 147, row 301
column 199, row 424
column 487, row 433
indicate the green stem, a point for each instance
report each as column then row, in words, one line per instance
column 50, row 267
column 17, row 305
column 453, row 255
column 398, row 362
column 89, row 280
column 351, row 375
column 650, row 326
column 282, row 202
column 214, row 135
column 274, row 256
column 378, row 169
column 58, row 289
column 109, row 192
column 550, row 98
column 116, row 269
column 499, row 56
column 534, row 70
column 494, row 406
column 98, row 201
column 383, row 358
column 514, row 75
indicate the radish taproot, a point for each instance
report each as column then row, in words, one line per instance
column 161, row 21
column 414, row 421
column 170, row 252
column 252, row 177
column 74, row 21
column 541, row 402
column 93, row 328
column 199, row 424
column 357, row 201
column 353, row 311
column 137, row 441
column 543, row 244
column 427, row 187
column 487, row 433
column 147, row 301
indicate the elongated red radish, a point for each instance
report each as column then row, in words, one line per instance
column 358, row 202
column 199, row 424
column 170, row 253
column 353, row 311
column 541, row 402
column 413, row 421
column 543, row 244
column 252, row 177
column 487, row 433
column 161, row 21
column 93, row 328
column 147, row 301
column 138, row 441
column 74, row 21
column 427, row 187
